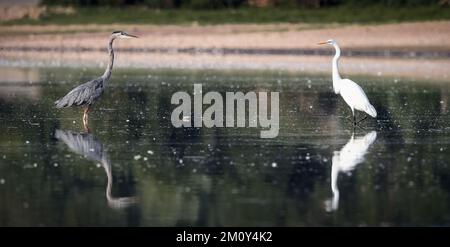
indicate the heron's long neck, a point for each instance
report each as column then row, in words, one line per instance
column 108, row 70
column 109, row 176
column 336, row 76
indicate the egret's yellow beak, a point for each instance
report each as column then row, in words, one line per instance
column 322, row 43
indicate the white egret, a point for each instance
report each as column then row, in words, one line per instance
column 346, row 161
column 351, row 92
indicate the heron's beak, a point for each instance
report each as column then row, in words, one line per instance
column 322, row 43
column 130, row 36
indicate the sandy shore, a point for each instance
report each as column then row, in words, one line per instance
column 425, row 36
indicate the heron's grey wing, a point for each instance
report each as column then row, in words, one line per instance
column 84, row 94
column 81, row 143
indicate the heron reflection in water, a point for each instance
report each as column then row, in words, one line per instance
column 86, row 145
column 346, row 161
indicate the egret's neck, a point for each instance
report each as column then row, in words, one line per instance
column 335, row 171
column 336, row 76
column 108, row 70
column 334, row 179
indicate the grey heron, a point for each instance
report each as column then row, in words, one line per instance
column 89, row 147
column 86, row 94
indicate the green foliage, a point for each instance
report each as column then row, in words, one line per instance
column 338, row 14
column 391, row 3
column 218, row 4
column 213, row 4
column 159, row 4
column 194, row 4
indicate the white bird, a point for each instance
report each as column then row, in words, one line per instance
column 346, row 161
column 351, row 92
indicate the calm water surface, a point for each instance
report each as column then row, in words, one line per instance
column 136, row 169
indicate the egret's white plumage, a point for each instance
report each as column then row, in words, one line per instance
column 351, row 92
column 346, row 160
column 355, row 97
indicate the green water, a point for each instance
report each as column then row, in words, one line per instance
column 136, row 169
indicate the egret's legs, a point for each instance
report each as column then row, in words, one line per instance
column 362, row 120
column 359, row 126
column 349, row 118
column 355, row 123
column 86, row 119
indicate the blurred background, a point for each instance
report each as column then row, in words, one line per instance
column 232, row 34
column 211, row 11
column 136, row 169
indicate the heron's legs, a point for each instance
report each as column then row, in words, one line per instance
column 86, row 118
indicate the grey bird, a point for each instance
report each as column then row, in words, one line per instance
column 86, row 94
column 89, row 147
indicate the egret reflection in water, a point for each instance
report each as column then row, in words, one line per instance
column 89, row 147
column 346, row 161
